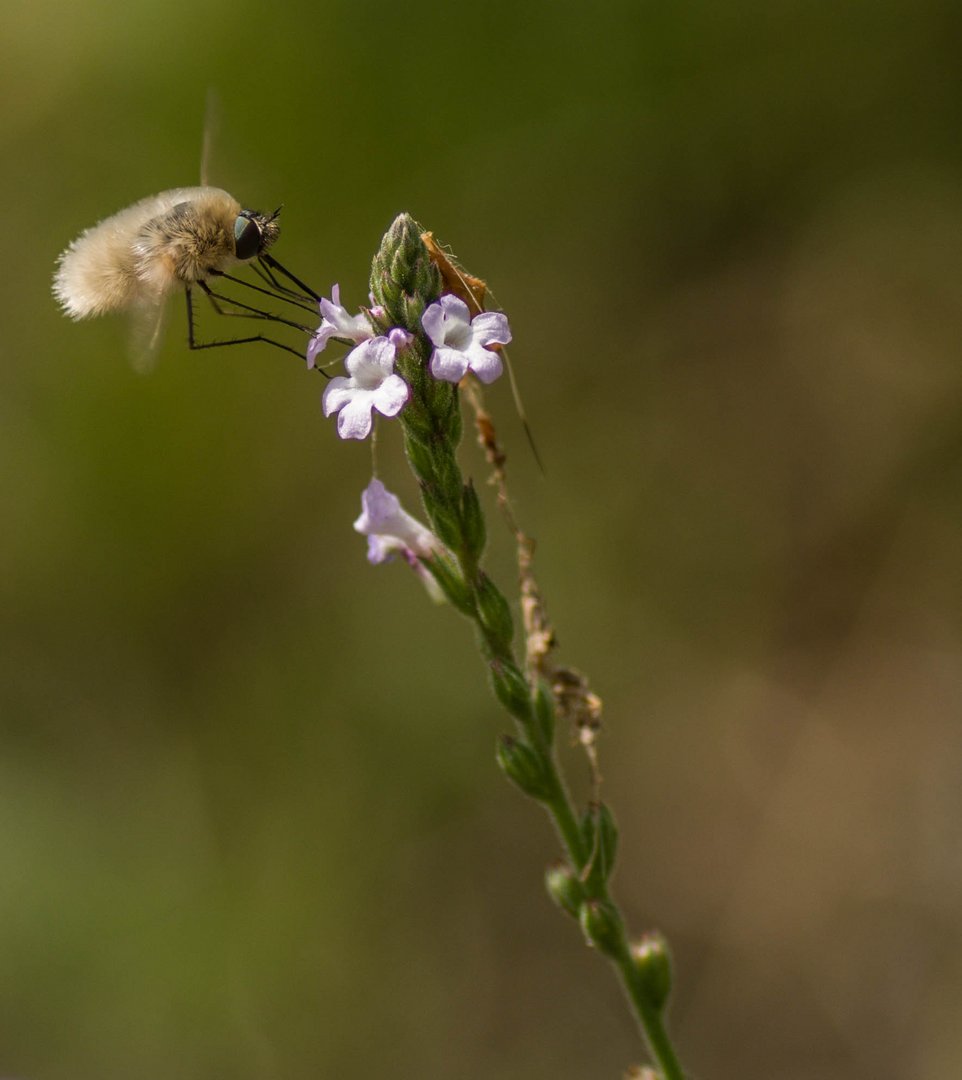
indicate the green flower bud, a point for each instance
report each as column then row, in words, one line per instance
column 416, row 420
column 652, row 961
column 448, row 476
column 444, row 521
column 512, row 689
column 602, row 926
column 472, row 518
column 417, row 446
column 601, row 839
column 404, row 279
column 523, row 767
column 447, row 574
column 413, row 306
column 544, row 711
column 496, row 620
column 564, row 887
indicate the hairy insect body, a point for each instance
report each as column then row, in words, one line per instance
column 176, row 241
column 141, row 254
column 186, row 244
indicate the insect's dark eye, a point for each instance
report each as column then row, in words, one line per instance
column 247, row 238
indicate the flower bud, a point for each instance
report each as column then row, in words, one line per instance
column 523, row 767
column 601, row 840
column 496, row 619
column 403, row 269
column 564, row 887
column 444, row 521
column 602, row 926
column 448, row 576
column 511, row 689
column 472, row 518
column 441, row 400
column 544, row 711
column 419, row 433
column 653, row 963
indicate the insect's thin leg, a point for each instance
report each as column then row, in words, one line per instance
column 247, row 311
column 263, row 270
column 275, row 265
column 266, row 276
column 267, row 292
column 195, row 344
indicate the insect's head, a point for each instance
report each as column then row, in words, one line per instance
column 254, row 233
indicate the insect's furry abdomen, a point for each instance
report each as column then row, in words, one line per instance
column 96, row 273
column 139, row 255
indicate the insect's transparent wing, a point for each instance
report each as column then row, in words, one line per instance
column 147, row 325
column 211, row 127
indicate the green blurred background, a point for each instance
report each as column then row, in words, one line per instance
column 250, row 823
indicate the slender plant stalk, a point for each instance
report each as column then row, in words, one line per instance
column 407, row 276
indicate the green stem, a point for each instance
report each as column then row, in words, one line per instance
column 564, row 818
column 404, row 280
column 650, row 1020
column 562, row 813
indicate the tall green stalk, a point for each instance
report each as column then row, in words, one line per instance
column 405, row 279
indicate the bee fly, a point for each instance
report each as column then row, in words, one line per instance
column 184, row 238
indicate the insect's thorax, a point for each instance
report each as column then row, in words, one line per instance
column 186, row 244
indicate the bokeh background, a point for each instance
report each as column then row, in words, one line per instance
column 250, row 823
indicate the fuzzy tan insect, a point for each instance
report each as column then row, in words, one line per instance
column 133, row 260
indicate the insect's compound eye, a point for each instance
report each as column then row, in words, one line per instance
column 247, row 238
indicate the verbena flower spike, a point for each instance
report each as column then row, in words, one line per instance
column 424, row 326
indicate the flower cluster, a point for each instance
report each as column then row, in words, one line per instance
column 459, row 344
column 408, row 354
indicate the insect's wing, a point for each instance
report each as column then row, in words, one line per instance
column 147, row 325
column 211, row 127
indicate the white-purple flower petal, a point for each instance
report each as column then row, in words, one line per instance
column 400, row 338
column 354, row 420
column 389, row 528
column 447, row 320
column 337, row 322
column 491, row 328
column 392, row 396
column 451, row 365
column 371, row 384
column 461, row 343
column 485, row 363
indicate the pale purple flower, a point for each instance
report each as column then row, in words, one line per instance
column 371, row 384
column 337, row 322
column 399, row 338
column 390, row 530
column 461, row 343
